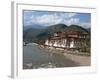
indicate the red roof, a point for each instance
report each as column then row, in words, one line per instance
column 72, row 34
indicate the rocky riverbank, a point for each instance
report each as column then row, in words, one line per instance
column 82, row 58
column 36, row 57
column 64, row 51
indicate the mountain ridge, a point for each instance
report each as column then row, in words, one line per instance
column 40, row 35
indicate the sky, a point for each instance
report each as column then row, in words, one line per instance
column 47, row 18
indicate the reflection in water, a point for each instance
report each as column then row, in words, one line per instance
column 34, row 57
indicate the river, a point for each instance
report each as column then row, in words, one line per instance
column 34, row 58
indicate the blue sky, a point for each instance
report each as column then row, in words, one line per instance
column 47, row 18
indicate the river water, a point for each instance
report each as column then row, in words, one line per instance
column 34, row 58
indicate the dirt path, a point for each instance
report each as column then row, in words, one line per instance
column 82, row 60
column 79, row 59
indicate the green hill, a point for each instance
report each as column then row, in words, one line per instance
column 40, row 35
column 30, row 35
column 76, row 28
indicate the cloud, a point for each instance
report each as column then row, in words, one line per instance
column 71, row 21
column 85, row 24
column 68, row 15
column 71, row 14
column 76, row 21
column 48, row 19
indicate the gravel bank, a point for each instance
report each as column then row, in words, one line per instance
column 80, row 59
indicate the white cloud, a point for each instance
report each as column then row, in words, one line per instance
column 71, row 21
column 85, row 24
column 71, row 14
column 56, row 18
column 50, row 19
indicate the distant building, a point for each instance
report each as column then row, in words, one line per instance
column 67, row 40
